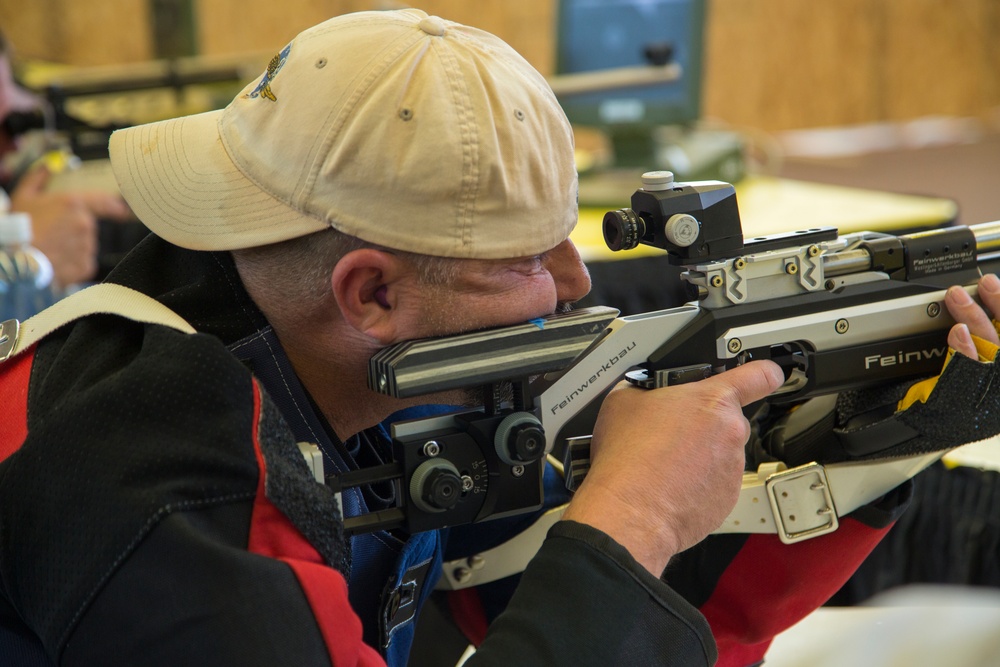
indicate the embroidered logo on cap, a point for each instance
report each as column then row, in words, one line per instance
column 263, row 88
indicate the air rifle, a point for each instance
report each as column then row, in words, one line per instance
column 835, row 312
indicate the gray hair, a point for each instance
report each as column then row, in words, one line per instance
column 298, row 270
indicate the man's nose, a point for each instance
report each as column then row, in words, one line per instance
column 571, row 277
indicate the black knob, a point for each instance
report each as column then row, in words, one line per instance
column 441, row 489
column 435, row 486
column 519, row 439
column 658, row 53
column 526, row 442
column 623, row 229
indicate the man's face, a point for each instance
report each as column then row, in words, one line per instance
column 491, row 293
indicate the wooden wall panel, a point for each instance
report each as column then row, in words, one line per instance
column 106, row 32
column 784, row 64
column 939, row 58
column 79, row 33
column 31, row 32
column 770, row 64
column 777, row 64
column 228, row 27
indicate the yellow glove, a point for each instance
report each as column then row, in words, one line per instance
column 921, row 391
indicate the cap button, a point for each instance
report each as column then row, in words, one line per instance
column 432, row 25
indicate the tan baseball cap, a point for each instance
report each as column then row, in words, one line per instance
column 397, row 127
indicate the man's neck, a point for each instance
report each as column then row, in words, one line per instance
column 337, row 381
column 336, row 377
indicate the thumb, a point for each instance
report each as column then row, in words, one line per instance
column 34, row 182
column 752, row 381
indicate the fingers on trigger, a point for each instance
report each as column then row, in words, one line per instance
column 960, row 340
column 989, row 292
column 964, row 309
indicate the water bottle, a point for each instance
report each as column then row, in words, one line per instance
column 25, row 273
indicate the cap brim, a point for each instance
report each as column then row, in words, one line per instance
column 180, row 181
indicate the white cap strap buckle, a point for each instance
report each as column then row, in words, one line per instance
column 801, row 503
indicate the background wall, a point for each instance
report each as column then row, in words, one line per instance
column 770, row 64
column 781, row 64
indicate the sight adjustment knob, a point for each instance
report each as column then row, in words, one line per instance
column 520, row 439
column 682, row 229
column 435, row 486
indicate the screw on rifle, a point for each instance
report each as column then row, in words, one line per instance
column 842, row 326
column 814, row 250
column 734, row 345
column 462, row 574
column 517, row 471
column 740, row 263
column 933, row 309
column 791, row 268
column 467, row 483
column 431, row 448
column 716, row 281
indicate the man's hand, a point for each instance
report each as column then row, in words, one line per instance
column 65, row 223
column 972, row 319
column 667, row 464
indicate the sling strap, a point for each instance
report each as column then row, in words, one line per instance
column 103, row 298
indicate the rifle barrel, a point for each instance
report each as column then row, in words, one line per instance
column 987, row 237
column 855, row 261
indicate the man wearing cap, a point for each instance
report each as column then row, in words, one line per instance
column 391, row 176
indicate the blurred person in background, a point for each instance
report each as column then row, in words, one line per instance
column 65, row 224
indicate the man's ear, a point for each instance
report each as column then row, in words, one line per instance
column 366, row 284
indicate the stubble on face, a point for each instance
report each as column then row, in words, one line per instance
column 485, row 295
column 476, row 396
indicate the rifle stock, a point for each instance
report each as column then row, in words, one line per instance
column 836, row 312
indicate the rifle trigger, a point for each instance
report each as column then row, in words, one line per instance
column 668, row 377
